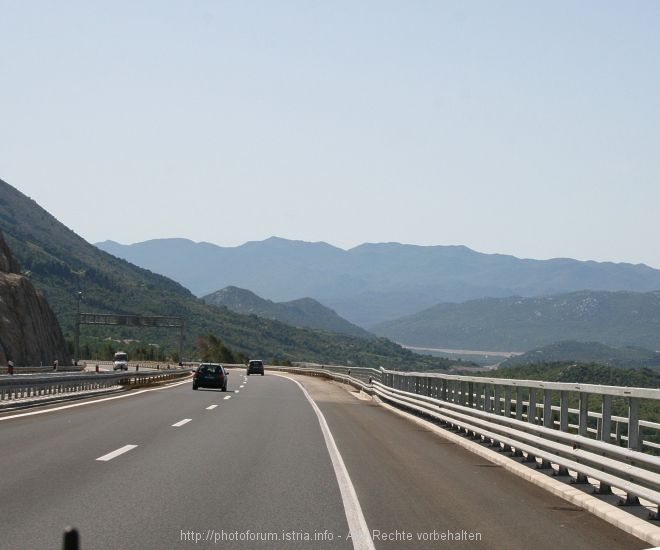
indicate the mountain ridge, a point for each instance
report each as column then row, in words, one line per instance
column 375, row 282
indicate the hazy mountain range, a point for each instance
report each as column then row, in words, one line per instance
column 374, row 283
column 60, row 263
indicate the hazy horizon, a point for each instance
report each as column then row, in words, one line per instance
column 357, row 246
column 514, row 128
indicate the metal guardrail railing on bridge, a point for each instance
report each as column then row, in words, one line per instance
column 553, row 425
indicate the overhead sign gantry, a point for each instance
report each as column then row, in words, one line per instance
column 158, row 321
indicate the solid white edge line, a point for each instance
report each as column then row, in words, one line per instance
column 115, row 454
column 181, row 422
column 357, row 524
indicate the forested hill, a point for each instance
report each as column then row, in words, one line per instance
column 616, row 319
column 304, row 312
column 580, row 373
column 588, row 352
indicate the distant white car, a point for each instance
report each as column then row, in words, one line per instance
column 120, row 361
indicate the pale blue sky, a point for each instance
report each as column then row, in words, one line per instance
column 518, row 127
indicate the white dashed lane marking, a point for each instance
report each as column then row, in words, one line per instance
column 211, row 407
column 115, row 454
column 228, row 397
column 181, row 422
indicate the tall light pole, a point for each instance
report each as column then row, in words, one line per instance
column 79, row 296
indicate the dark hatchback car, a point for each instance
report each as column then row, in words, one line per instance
column 255, row 367
column 210, row 375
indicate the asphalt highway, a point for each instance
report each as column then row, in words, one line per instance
column 251, row 468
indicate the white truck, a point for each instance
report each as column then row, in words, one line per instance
column 120, row 361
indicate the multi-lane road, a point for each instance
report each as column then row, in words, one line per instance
column 260, row 467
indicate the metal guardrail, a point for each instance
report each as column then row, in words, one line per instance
column 633, row 472
column 359, row 377
column 20, row 387
column 158, row 365
column 568, row 407
column 358, row 373
column 41, row 369
column 508, row 415
column 133, row 365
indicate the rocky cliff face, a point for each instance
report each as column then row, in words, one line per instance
column 29, row 332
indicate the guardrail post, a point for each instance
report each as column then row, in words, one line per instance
column 634, row 441
column 606, row 420
column 583, row 425
column 548, row 420
column 507, row 401
column 488, row 391
column 531, row 407
column 496, row 398
column 519, row 403
column 604, row 435
column 470, row 396
column 563, row 411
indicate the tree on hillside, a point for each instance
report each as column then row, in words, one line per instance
column 212, row 349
